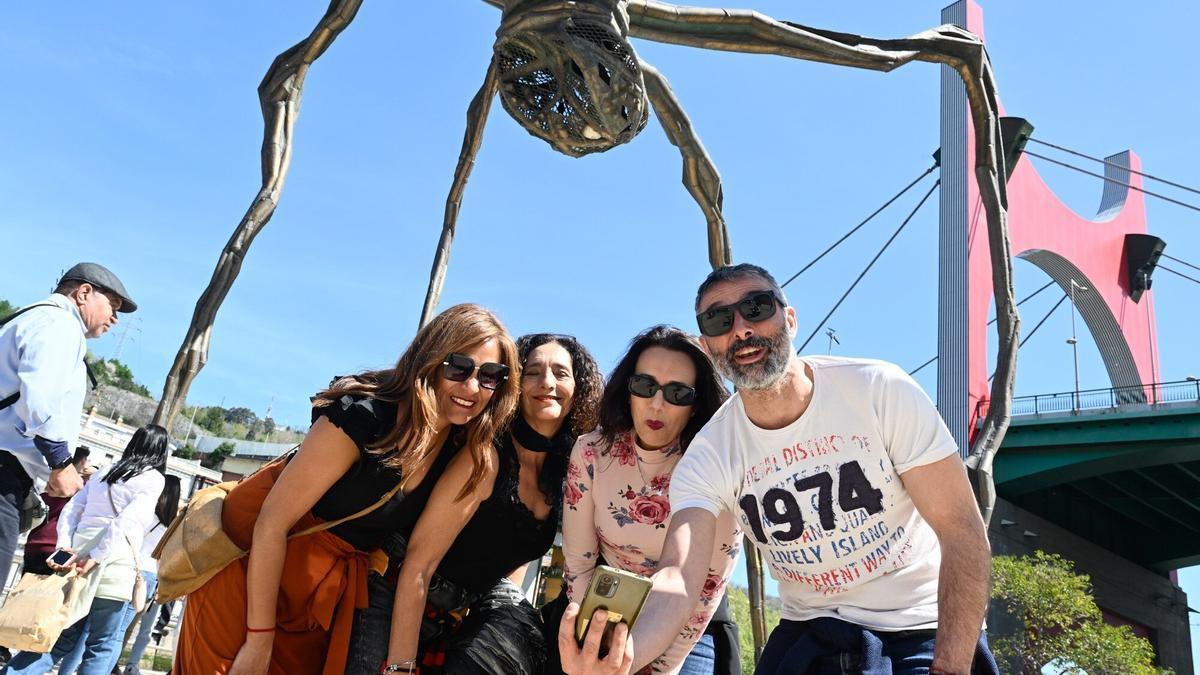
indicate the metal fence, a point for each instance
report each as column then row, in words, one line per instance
column 1115, row 397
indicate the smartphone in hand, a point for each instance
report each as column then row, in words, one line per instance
column 620, row 593
column 60, row 557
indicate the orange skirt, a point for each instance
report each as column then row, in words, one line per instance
column 324, row 579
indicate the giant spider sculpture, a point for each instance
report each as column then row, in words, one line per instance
column 565, row 71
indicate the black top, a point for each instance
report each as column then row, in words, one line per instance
column 503, row 534
column 365, row 420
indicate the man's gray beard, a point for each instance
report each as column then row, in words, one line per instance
column 762, row 374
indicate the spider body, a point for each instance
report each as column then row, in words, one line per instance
column 569, row 75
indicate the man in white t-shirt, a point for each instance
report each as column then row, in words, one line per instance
column 843, row 475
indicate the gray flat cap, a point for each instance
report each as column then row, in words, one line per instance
column 98, row 275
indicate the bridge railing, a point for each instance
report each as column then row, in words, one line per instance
column 1158, row 393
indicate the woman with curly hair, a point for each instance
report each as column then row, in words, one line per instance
column 512, row 520
column 379, row 444
column 661, row 393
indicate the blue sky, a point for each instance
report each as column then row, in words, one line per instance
column 131, row 135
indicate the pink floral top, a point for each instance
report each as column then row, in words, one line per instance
column 617, row 507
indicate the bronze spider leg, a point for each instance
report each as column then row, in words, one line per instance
column 699, row 174
column 748, row 31
column 279, row 95
column 477, row 115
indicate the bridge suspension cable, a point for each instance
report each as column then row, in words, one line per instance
column 1178, row 274
column 1030, row 334
column 1021, row 302
column 1114, row 164
column 864, row 222
column 1181, row 262
column 1106, row 179
column 872, row 263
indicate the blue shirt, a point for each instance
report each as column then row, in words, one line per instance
column 41, row 355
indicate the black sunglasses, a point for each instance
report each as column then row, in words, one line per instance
column 758, row 306
column 459, row 368
column 675, row 393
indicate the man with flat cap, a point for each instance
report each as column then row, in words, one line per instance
column 43, row 383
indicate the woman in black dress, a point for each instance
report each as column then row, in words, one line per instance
column 513, row 521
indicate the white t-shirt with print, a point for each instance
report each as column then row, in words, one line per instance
column 822, row 498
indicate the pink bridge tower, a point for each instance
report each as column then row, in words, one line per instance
column 1110, row 255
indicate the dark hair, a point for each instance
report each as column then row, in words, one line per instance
column 738, row 271
column 411, row 386
column 68, row 286
column 615, row 413
column 146, row 450
column 589, row 383
column 168, row 501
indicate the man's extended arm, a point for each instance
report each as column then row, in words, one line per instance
column 676, row 592
column 678, row 583
column 942, row 494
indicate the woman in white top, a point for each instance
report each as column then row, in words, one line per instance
column 106, row 522
column 168, row 506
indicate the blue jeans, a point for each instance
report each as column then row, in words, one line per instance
column 127, row 618
column 702, row 660
column 828, row 646
column 100, row 633
column 71, row 661
column 142, row 639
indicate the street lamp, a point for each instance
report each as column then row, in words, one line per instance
column 1075, row 343
column 832, row 333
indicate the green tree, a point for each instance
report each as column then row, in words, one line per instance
column 739, row 607
column 217, row 457
column 6, row 308
column 117, row 374
column 1063, row 628
column 212, row 419
column 240, row 416
column 186, row 452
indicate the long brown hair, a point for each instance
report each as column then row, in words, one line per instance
column 410, row 385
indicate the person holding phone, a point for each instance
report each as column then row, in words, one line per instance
column 617, row 495
column 848, row 482
column 164, row 511
column 110, row 515
column 378, row 444
column 470, row 549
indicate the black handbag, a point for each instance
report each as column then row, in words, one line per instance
column 446, row 602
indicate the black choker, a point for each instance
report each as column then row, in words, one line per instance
column 531, row 440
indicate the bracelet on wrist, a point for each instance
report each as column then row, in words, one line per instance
column 406, row 666
column 260, row 630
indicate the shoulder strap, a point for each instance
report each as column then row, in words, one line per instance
column 387, row 497
column 137, row 559
column 15, row 396
column 21, row 311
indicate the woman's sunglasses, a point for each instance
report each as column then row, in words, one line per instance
column 675, row 393
column 758, row 306
column 459, row 368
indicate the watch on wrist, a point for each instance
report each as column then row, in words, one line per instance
column 63, row 464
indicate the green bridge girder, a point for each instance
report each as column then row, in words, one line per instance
column 1127, row 478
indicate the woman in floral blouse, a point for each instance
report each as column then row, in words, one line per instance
column 617, row 508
